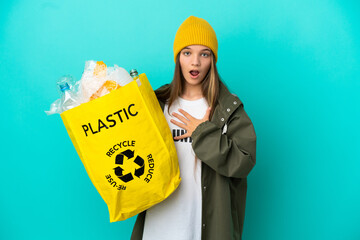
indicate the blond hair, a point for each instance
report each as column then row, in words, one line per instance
column 209, row 86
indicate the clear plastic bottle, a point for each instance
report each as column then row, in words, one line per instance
column 68, row 98
column 120, row 75
column 69, row 95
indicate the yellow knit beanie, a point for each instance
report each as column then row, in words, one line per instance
column 195, row 31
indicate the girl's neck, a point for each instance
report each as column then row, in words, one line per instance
column 192, row 93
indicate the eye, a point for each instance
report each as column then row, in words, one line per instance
column 205, row 54
column 186, row 53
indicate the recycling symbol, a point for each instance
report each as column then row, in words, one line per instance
column 129, row 155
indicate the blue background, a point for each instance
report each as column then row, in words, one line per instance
column 294, row 64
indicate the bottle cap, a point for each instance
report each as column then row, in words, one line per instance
column 133, row 72
column 64, row 87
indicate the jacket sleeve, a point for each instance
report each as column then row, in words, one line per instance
column 232, row 154
column 138, row 229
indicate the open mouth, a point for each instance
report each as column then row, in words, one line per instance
column 194, row 73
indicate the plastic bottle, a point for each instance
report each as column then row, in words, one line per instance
column 68, row 98
column 121, row 76
column 106, row 88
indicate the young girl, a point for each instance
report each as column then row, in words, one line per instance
column 215, row 142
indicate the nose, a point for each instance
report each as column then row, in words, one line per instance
column 195, row 61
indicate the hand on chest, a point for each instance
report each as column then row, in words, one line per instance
column 184, row 116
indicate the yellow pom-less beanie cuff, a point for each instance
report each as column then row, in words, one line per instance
column 195, row 31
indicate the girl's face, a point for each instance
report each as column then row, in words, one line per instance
column 195, row 63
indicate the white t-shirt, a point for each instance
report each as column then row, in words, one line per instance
column 179, row 216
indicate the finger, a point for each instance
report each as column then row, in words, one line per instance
column 178, row 124
column 207, row 114
column 184, row 120
column 186, row 114
column 182, row 136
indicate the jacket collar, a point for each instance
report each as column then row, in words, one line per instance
column 228, row 103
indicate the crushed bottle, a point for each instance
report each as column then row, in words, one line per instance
column 68, row 90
